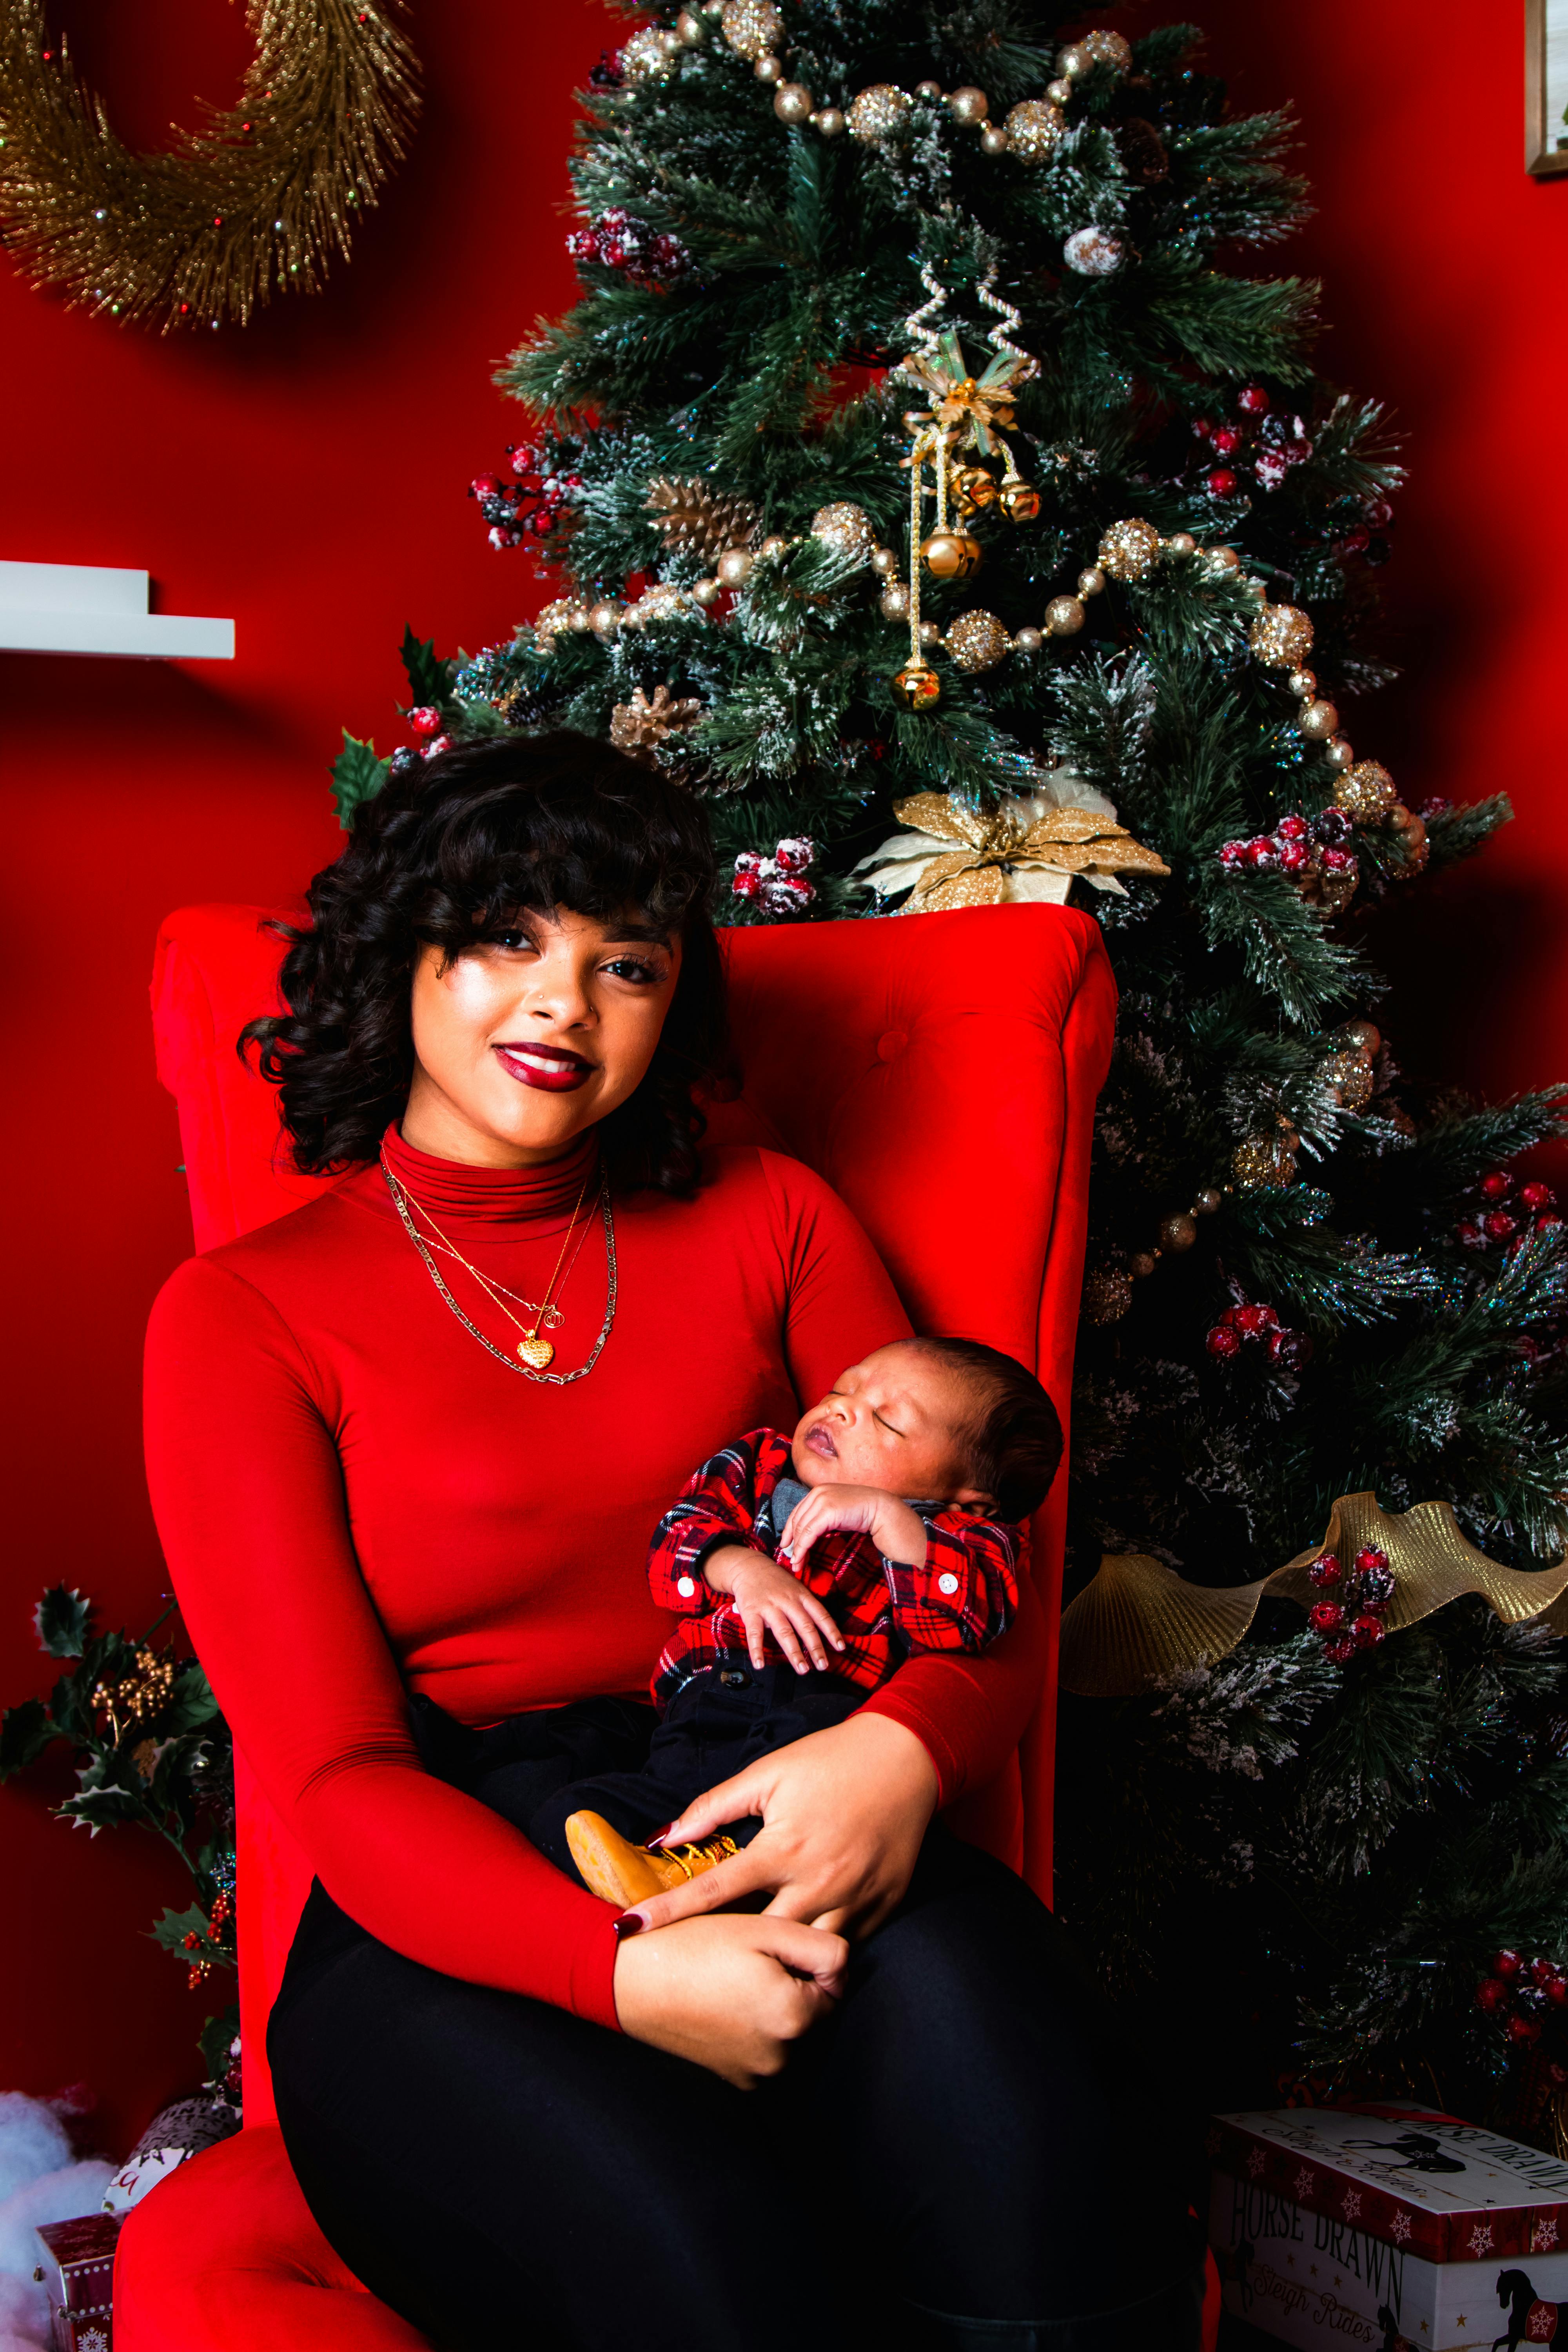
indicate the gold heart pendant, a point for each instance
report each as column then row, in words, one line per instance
column 535, row 1351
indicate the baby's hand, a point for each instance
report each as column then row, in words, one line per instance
column 767, row 1600
column 898, row 1532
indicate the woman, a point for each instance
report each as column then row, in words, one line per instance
column 405, row 1448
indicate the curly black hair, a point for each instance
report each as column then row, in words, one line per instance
column 451, row 853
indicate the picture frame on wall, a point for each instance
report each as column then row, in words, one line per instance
column 1545, row 87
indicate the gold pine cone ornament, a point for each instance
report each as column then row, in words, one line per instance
column 1027, row 850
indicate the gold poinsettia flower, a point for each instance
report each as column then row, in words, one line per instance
column 983, row 402
column 1029, row 848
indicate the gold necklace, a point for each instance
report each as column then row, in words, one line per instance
column 545, row 1311
column 537, row 1353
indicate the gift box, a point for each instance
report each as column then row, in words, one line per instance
column 1388, row 2227
column 84, row 2298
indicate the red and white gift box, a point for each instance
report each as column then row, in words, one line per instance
column 1388, row 2228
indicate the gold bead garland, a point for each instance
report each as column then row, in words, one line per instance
column 254, row 205
column 1108, row 1290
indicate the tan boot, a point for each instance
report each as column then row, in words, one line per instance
column 622, row 1873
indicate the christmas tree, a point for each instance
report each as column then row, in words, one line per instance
column 928, row 477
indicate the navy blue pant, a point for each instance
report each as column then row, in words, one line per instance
column 962, row 2155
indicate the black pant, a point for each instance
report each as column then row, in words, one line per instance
column 714, row 1726
column 960, row 2155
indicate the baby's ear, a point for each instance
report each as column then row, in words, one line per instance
column 975, row 1498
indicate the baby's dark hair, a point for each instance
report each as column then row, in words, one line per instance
column 1016, row 1438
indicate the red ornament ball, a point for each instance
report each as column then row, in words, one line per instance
column 1252, row 400
column 1261, row 852
column 1325, row 1570
column 1339, row 861
column 1535, row 1197
column 1224, row 1342
column 424, row 720
column 1294, row 857
column 1291, row 828
column 1507, row 1962
column 1556, row 1989
column 1253, row 1321
column 1339, row 1652
column 1497, row 1224
column 1221, row 483
column 1544, row 1224
column 1523, row 2029
column 1491, row 1995
column 1496, row 1185
column 1370, row 1557
column 1325, row 1617
column 1368, row 1631
column 1291, row 1351
column 1467, row 1234
column 1225, row 441
column 1203, row 427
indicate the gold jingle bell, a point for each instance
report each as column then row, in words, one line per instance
column 917, row 686
column 1020, row 499
column 973, row 488
column 951, row 554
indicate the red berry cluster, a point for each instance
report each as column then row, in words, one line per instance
column 1304, row 847
column 1521, row 1992
column 1349, row 1616
column 777, row 884
column 1506, row 1210
column 530, row 505
column 424, row 721
column 616, row 241
column 1255, row 440
column 1289, row 1351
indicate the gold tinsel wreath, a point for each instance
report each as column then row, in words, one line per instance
column 253, row 204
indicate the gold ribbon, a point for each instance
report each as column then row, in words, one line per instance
column 1138, row 1624
column 1026, row 848
column 970, row 408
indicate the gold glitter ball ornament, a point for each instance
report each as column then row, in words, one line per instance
column 1266, row 1163
column 951, row 554
column 1282, row 638
column 978, row 641
column 1129, row 549
column 1065, row 615
column 793, row 102
column 751, row 27
column 895, row 602
column 1361, row 1036
column 844, row 526
column 1107, row 1295
column 1367, row 793
column 880, row 113
column 564, row 612
column 968, row 104
column 1179, row 1231
column 1349, row 1080
column 917, row 686
column 645, row 57
column 1317, row 721
column 1034, row 130
column 662, row 602
column 1107, row 48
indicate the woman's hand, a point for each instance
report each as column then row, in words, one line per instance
column 731, row 1994
column 844, row 1812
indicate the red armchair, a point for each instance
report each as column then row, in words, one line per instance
column 941, row 1072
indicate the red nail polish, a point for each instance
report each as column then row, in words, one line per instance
column 629, row 1923
column 658, row 1839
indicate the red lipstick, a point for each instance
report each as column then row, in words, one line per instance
column 550, row 1068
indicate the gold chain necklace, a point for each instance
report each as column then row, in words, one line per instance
column 534, row 1352
column 530, row 1347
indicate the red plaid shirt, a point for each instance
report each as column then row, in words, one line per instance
column 962, row 1597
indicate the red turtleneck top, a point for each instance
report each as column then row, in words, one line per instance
column 355, row 1498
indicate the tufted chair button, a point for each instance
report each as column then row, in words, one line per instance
column 890, row 1044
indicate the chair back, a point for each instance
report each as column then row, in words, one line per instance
column 940, row 1071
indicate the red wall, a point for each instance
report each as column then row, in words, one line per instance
column 306, row 476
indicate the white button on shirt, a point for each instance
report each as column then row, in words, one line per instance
column 687, row 1585
column 947, row 1583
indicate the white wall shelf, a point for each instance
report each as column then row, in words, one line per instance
column 89, row 608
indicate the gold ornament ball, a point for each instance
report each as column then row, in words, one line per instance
column 1222, row 558
column 1092, row 583
column 769, row 70
column 793, row 102
column 751, row 27
column 1363, row 1037
column 1142, row 1263
column 1028, row 641
column 734, row 567
column 928, row 89
column 885, row 560
column 1264, row 1163
column 1339, row 754
column 895, row 602
column 645, row 57
column 1180, row 542
column 671, row 43
column 1206, row 1202
column 1178, row 1232
column 1058, row 92
column 605, row 618
column 1129, row 549
column 1366, row 792
column 994, row 139
column 1349, row 1080
column 1317, row 721
column 830, row 120
column 929, row 633
column 1074, row 62
column 704, row 592
column 774, row 544
column 691, row 29
column 1303, row 684
column 1107, row 1295
column 978, row 641
column 1282, row 636
column 844, row 526
column 1107, row 48
column 951, row 554
column 917, row 686
column 880, row 113
column 1034, row 130
column 968, row 104
column 1020, row 500
column 1065, row 615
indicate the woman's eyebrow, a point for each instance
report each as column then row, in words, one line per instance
column 635, row 934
